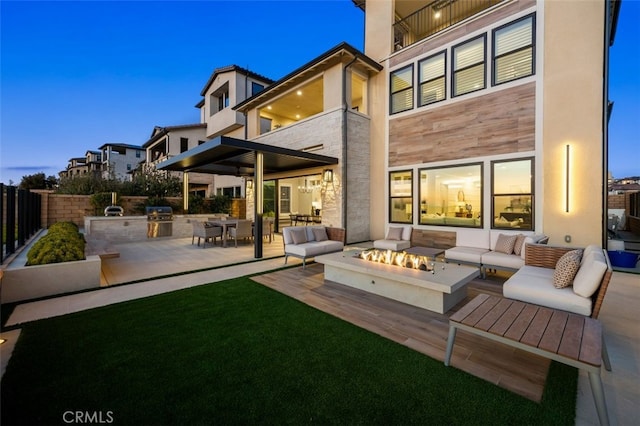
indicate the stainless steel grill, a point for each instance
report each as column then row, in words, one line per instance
column 159, row 221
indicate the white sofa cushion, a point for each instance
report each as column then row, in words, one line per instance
column 391, row 244
column 472, row 238
column 590, row 274
column 465, row 254
column 588, row 250
column 314, row 248
column 495, row 258
column 310, row 231
column 533, row 284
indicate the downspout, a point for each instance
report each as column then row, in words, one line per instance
column 345, row 109
column 605, row 122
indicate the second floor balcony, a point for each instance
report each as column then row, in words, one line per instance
column 417, row 24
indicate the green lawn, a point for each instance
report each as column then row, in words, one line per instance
column 236, row 352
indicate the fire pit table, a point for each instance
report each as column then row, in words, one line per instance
column 438, row 289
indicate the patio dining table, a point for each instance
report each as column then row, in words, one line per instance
column 225, row 224
column 305, row 218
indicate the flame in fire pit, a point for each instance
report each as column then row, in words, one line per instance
column 398, row 258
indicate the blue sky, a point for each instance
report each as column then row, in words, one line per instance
column 76, row 75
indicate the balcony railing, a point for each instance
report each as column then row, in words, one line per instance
column 435, row 17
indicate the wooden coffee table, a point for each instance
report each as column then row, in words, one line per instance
column 568, row 338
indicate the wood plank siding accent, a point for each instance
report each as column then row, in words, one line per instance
column 428, row 46
column 497, row 123
column 428, row 238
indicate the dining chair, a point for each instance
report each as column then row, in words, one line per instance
column 267, row 228
column 243, row 229
column 205, row 231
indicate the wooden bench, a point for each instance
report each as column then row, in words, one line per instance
column 102, row 248
column 568, row 338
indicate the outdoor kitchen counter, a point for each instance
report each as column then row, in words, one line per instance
column 121, row 229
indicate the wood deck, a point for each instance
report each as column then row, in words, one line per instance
column 426, row 332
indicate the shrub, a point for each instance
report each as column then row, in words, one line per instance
column 100, row 201
column 219, row 204
column 63, row 243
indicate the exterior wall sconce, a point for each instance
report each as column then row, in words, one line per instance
column 567, row 180
column 327, row 175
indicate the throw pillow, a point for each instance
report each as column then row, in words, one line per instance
column 299, row 236
column 505, row 243
column 394, row 233
column 320, row 234
column 566, row 268
column 517, row 248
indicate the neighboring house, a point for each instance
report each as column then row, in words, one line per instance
column 227, row 87
column 166, row 142
column 490, row 115
column 79, row 166
column 119, row 160
column 94, row 162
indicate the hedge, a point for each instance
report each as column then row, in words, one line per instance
column 63, row 243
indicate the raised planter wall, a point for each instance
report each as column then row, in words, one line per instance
column 31, row 282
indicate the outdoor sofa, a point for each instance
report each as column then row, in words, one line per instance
column 309, row 241
column 575, row 284
column 492, row 249
column 397, row 238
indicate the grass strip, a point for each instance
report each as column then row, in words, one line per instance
column 236, row 352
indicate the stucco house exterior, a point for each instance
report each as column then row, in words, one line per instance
column 166, row 142
column 321, row 107
column 119, row 160
column 80, row 166
column 490, row 115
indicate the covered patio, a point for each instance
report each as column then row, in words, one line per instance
column 224, row 155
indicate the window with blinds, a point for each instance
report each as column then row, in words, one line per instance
column 401, row 196
column 401, row 85
column 432, row 72
column 513, row 50
column 469, row 66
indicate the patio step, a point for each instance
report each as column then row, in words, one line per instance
column 102, row 248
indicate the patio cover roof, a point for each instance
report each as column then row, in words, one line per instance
column 224, row 155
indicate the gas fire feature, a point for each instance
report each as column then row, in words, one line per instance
column 401, row 258
column 438, row 289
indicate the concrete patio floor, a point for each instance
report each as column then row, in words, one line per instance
column 160, row 257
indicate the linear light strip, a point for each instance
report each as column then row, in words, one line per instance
column 568, row 171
